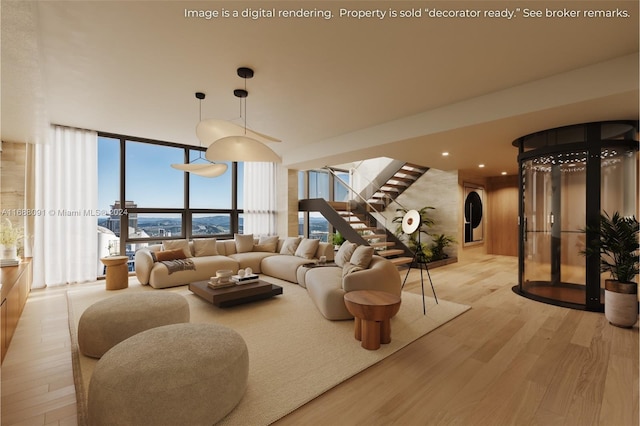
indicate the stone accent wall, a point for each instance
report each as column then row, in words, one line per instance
column 439, row 189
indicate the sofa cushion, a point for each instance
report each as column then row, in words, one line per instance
column 283, row 267
column 344, row 253
column 159, row 256
column 268, row 244
column 362, row 256
column 226, row 247
column 244, row 243
column 290, row 246
column 307, row 248
column 205, row 247
column 178, row 244
column 251, row 260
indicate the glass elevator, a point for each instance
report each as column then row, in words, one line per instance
column 568, row 176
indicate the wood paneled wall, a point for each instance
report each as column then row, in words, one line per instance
column 502, row 212
column 12, row 179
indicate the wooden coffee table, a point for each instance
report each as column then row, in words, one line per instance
column 372, row 311
column 235, row 295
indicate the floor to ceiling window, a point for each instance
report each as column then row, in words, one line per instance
column 325, row 184
column 138, row 190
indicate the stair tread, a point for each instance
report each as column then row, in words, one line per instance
column 382, row 244
column 390, row 252
column 373, row 236
column 403, row 179
column 414, row 168
column 410, row 172
column 401, row 260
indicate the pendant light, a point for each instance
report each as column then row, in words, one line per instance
column 230, row 142
column 207, row 168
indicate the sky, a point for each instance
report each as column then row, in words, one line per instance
column 152, row 182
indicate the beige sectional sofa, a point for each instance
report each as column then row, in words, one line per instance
column 283, row 258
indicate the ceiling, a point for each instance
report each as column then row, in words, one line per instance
column 333, row 90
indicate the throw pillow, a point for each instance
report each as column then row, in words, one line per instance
column 159, row 256
column 205, row 247
column 178, row 244
column 344, row 253
column 244, row 243
column 290, row 246
column 362, row 256
column 307, row 248
column 350, row 268
column 268, row 244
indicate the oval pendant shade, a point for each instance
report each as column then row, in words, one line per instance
column 205, row 170
column 209, row 131
column 240, row 148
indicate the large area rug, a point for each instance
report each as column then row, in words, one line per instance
column 295, row 354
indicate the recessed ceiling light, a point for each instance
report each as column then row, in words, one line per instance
column 503, row 173
column 445, row 154
column 481, row 165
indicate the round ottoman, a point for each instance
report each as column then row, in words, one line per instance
column 180, row 374
column 108, row 322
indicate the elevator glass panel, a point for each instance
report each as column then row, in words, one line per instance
column 618, row 186
column 554, row 214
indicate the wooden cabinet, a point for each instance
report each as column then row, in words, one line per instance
column 16, row 285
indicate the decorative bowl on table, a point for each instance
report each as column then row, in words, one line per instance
column 224, row 275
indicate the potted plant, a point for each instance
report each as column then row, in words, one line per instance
column 616, row 243
column 336, row 239
column 10, row 238
column 439, row 243
column 422, row 250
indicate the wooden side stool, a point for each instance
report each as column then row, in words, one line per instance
column 117, row 272
column 372, row 311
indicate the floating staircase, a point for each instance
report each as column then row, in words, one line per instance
column 353, row 219
column 395, row 185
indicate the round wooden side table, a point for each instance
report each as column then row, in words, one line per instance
column 372, row 311
column 117, row 272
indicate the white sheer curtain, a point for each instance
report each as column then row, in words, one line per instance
column 259, row 202
column 66, row 237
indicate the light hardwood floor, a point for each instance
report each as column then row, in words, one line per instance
column 507, row 361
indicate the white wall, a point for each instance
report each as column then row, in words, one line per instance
column 366, row 171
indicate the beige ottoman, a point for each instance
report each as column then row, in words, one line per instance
column 181, row 374
column 108, row 322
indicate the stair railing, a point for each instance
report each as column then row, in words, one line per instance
column 355, row 198
column 379, row 216
column 372, row 187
